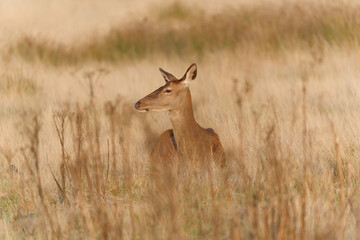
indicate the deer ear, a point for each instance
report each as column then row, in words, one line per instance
column 190, row 74
column 167, row 76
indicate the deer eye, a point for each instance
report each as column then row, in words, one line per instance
column 167, row 91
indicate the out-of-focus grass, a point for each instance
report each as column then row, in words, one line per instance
column 179, row 30
column 76, row 165
column 6, row 204
column 178, row 11
column 17, row 82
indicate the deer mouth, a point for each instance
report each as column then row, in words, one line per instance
column 144, row 110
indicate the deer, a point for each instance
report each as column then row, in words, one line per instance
column 187, row 139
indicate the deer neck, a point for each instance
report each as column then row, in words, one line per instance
column 184, row 125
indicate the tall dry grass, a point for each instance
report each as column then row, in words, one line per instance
column 186, row 30
column 75, row 153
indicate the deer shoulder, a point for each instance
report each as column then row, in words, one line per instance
column 165, row 147
column 217, row 148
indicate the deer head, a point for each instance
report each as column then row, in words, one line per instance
column 171, row 96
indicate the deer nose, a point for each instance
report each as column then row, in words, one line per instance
column 137, row 104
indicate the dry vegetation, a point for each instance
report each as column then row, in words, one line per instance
column 178, row 30
column 279, row 82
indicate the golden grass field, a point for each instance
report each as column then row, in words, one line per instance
column 277, row 80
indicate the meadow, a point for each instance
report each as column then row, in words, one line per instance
column 277, row 80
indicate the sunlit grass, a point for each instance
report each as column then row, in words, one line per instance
column 19, row 83
column 278, row 83
column 265, row 28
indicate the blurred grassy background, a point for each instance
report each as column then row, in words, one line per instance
column 278, row 80
column 178, row 29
